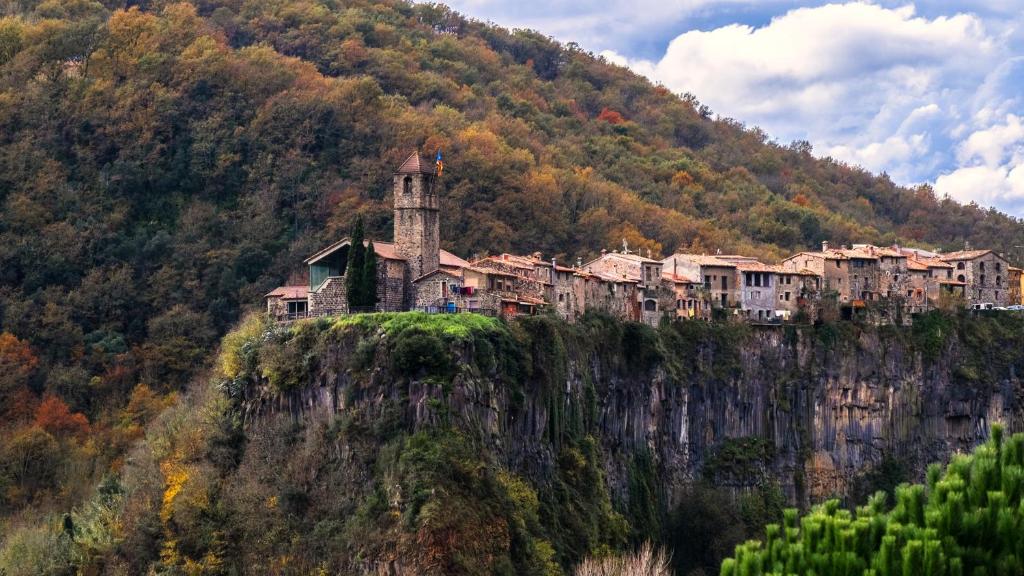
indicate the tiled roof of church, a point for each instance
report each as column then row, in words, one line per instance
column 416, row 164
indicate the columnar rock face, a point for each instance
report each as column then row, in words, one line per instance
column 417, row 223
column 812, row 409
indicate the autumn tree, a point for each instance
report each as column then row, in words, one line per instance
column 54, row 416
column 17, row 364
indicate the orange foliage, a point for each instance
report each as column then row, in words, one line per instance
column 801, row 200
column 682, row 179
column 16, row 356
column 54, row 416
column 610, row 116
column 20, row 406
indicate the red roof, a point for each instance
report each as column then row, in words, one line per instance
column 289, row 292
column 415, row 164
column 387, row 251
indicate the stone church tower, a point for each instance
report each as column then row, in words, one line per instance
column 417, row 224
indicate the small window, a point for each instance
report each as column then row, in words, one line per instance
column 407, row 185
column 959, row 265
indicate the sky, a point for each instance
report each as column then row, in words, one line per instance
column 928, row 92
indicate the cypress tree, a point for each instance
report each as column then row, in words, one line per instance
column 370, row 276
column 356, row 265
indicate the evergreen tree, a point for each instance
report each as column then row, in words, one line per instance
column 356, row 266
column 370, row 276
column 966, row 519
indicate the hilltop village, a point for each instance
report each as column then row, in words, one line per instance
column 884, row 284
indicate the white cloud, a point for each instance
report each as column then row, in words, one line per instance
column 1000, row 186
column 881, row 87
column 995, row 144
column 992, row 166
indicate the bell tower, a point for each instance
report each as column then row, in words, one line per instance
column 417, row 224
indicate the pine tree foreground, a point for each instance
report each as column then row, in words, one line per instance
column 966, row 520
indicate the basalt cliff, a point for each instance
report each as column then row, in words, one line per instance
column 407, row 443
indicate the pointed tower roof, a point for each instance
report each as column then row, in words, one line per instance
column 415, row 164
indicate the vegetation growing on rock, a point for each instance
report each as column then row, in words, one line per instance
column 965, row 520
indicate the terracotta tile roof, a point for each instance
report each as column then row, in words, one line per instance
column 931, row 262
column 678, row 278
column 915, row 264
column 701, row 260
column 858, row 254
column 388, row 251
column 758, row 267
column 491, row 271
column 451, row 260
column 880, row 250
column 289, row 292
column 963, row 255
column 416, row 164
column 630, row 257
column 512, row 260
column 830, row 255
column 616, row 278
column 436, row 272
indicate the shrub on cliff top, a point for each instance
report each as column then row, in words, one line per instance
column 418, row 352
column 965, row 520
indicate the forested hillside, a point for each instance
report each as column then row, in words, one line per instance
column 163, row 166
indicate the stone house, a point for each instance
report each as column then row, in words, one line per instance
column 288, row 302
column 985, row 275
column 893, row 280
column 931, row 281
column 686, row 296
column 558, row 281
column 719, row 285
column 853, row 275
column 796, row 291
column 442, row 290
column 757, row 284
column 645, row 272
column 830, row 266
column 503, row 291
column 613, row 295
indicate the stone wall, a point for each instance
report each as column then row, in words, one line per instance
column 331, row 298
column 392, row 285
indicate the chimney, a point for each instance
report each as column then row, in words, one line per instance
column 603, row 251
column 554, row 274
column 579, row 262
column 824, row 245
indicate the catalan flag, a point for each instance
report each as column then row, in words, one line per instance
column 440, row 162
